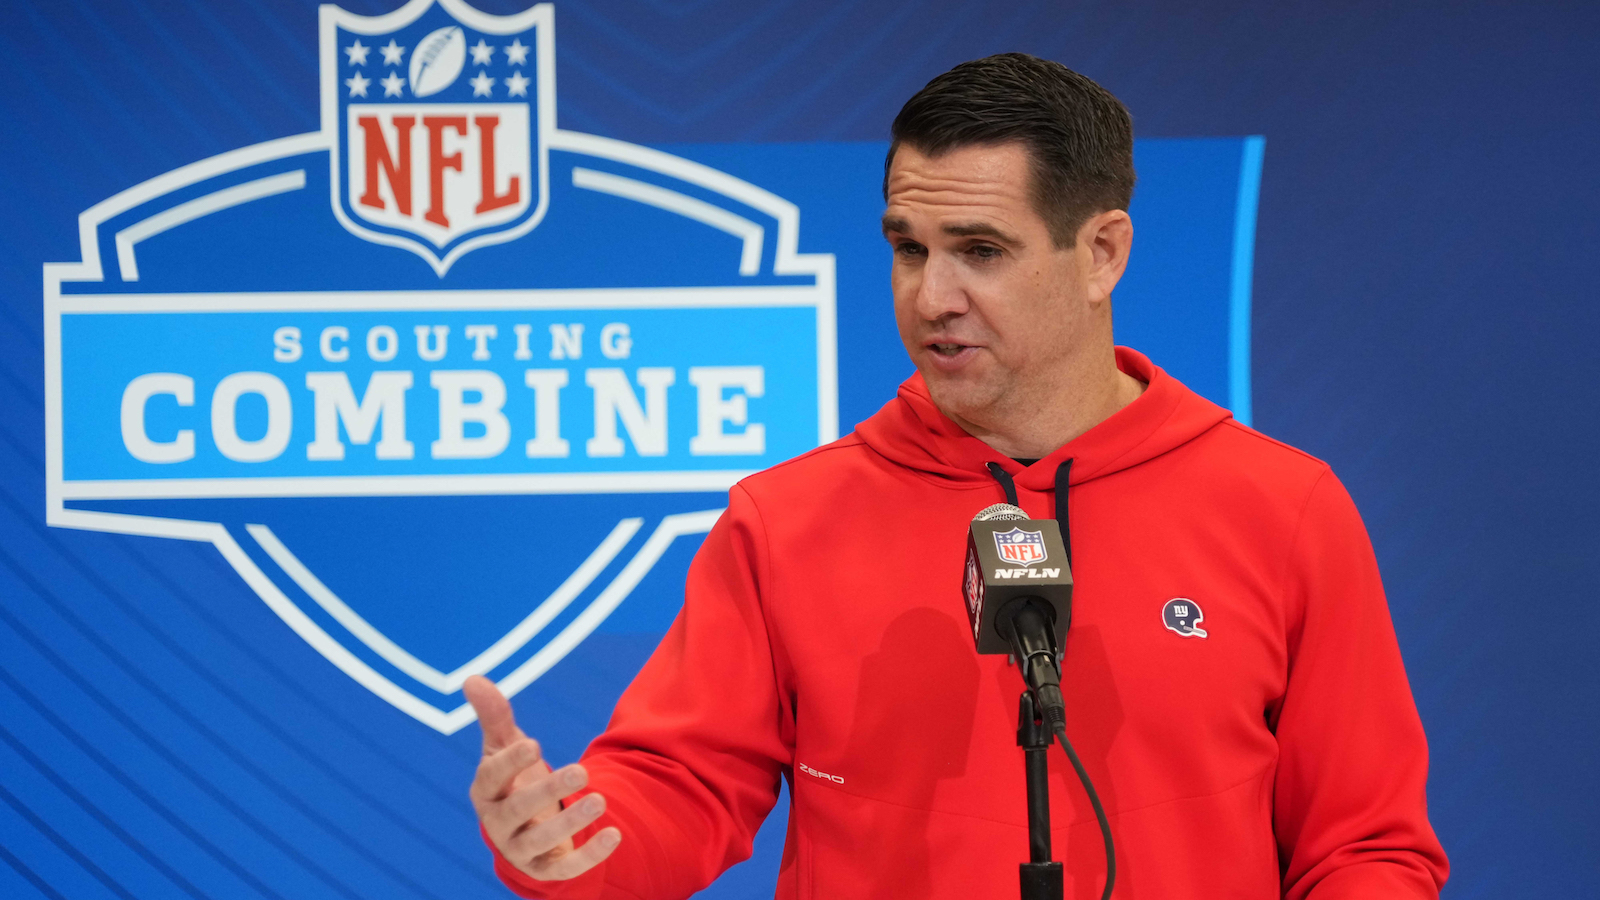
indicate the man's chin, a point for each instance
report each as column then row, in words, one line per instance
column 965, row 400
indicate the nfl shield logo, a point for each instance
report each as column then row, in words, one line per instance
column 1021, row 547
column 440, row 117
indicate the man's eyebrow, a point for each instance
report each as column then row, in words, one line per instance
column 981, row 229
column 897, row 225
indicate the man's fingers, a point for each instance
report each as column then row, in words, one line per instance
column 592, row 853
column 497, row 771
column 537, row 801
column 538, row 840
column 514, row 787
column 494, row 714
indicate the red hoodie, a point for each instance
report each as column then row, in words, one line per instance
column 824, row 640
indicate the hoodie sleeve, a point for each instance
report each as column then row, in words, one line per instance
column 691, row 761
column 1350, row 806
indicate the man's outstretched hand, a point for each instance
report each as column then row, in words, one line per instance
column 518, row 798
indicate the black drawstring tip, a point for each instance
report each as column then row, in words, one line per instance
column 1006, row 484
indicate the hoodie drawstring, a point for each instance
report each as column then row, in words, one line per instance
column 1006, row 484
column 1063, row 475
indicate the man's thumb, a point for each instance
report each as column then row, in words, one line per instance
column 494, row 714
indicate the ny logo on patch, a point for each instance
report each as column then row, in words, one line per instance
column 1183, row 616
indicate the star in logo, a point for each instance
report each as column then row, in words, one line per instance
column 392, row 85
column 481, row 85
column 518, row 85
column 392, row 53
column 357, row 53
column 517, row 54
column 481, row 53
column 358, row 84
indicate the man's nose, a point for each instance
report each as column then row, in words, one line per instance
column 940, row 291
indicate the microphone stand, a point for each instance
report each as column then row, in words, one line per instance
column 1041, row 879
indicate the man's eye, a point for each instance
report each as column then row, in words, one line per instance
column 985, row 251
column 908, row 248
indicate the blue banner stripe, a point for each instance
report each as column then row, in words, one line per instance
column 214, row 679
column 1244, row 250
column 266, row 831
column 131, row 784
column 68, row 847
column 32, row 878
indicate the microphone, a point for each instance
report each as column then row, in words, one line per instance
column 1018, row 589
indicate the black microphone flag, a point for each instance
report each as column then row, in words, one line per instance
column 1011, row 557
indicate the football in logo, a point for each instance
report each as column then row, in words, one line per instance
column 437, row 61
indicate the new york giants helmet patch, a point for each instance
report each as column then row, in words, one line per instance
column 1183, row 616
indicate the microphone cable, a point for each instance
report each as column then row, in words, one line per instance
column 1094, row 801
column 1063, row 485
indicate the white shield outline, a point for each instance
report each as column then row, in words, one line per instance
column 330, row 18
column 786, row 261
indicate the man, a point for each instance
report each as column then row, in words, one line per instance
column 1272, row 751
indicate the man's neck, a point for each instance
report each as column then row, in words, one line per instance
column 1048, row 426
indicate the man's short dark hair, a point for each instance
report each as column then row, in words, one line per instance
column 1079, row 137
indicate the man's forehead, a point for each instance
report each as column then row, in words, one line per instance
column 969, row 191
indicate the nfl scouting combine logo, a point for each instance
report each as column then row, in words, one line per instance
column 442, row 382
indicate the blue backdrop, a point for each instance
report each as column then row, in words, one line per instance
column 1420, row 317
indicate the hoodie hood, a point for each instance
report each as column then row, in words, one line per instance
column 912, row 432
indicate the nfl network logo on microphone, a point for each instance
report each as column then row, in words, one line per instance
column 1024, row 548
column 442, row 382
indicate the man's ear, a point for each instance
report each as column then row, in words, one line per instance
column 1106, row 239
